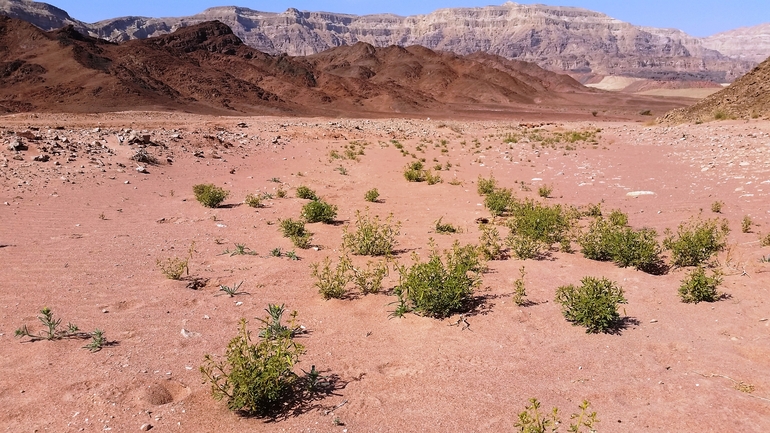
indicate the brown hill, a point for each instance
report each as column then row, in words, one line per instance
column 205, row 68
column 747, row 97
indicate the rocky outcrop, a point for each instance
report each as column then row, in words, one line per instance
column 563, row 39
column 746, row 43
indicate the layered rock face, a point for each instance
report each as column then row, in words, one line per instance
column 563, row 39
column 746, row 43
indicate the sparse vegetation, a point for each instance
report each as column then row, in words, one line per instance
column 519, row 290
column 240, row 250
column 257, row 378
column 319, row 211
column 332, row 282
column 499, row 201
column 593, row 304
column 306, row 193
column 253, row 200
column 612, row 240
column 372, row 195
column 535, row 227
column 295, row 230
column 415, row 172
column 716, row 207
column 490, row 244
column 699, row 287
column 231, row 291
column 445, row 228
column 210, row 195
column 746, row 224
column 174, row 267
column 544, row 191
column 440, row 287
column 764, row 241
column 486, row 186
column 531, row 420
column 369, row 280
column 52, row 330
column 371, row 236
column 696, row 242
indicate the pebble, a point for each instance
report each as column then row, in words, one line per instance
column 654, row 321
column 145, row 427
column 126, row 182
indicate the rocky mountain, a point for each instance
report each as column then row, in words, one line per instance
column 747, row 43
column 563, row 39
column 747, row 97
column 206, row 68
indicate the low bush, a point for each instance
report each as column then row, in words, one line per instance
column 544, row 191
column 415, row 172
column 716, row 207
column 371, row 236
column 535, row 227
column 319, row 211
column 257, row 378
column 486, row 186
column 490, row 244
column 519, row 290
column 499, row 201
column 296, row 232
column 306, row 193
column 532, row 420
column 369, row 280
column 699, row 287
column 445, row 228
column 210, row 195
column 332, row 283
column 593, row 304
column 431, row 178
column 696, row 241
column 625, row 246
column 440, row 287
column 174, row 267
column 372, row 195
column 764, row 241
column 253, row 200
column 746, row 224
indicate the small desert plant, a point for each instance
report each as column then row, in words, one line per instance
column 531, row 420
column 415, row 172
column 593, row 304
column 210, row 195
column 593, row 210
column 276, row 252
column 696, row 242
column 764, row 241
column 746, row 224
column 291, row 255
column 306, row 193
column 490, row 245
column 371, row 236
column 440, row 287
column 625, row 246
column 545, row 191
column 295, row 230
column 618, row 218
column 369, row 280
column 498, row 201
column 280, row 193
column 256, row 378
column 372, row 195
column 240, row 250
column 174, row 267
column 231, row 291
column 98, row 341
column 52, row 330
column 720, row 114
column 253, row 200
column 716, row 207
column 431, row 178
column 445, row 228
column 319, row 211
column 699, row 287
column 332, row 283
column 519, row 290
column 535, row 227
column 486, row 186
column 342, row 170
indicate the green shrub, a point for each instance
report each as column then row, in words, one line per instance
column 746, row 224
column 295, row 230
column 372, row 195
column 431, row 178
column 535, row 227
column 625, row 246
column 531, row 420
column 415, row 172
column 594, row 304
column 443, row 228
column 618, row 218
column 332, row 283
column 438, row 288
column 698, row 287
column 696, row 242
column 319, row 211
column 716, row 207
column 369, row 280
column 210, row 195
column 371, row 237
column 256, row 378
column 486, row 186
column 519, row 290
column 594, row 210
column 490, row 244
column 306, row 193
column 499, row 201
column 174, row 267
column 544, row 191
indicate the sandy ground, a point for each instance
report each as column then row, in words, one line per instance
column 682, row 93
column 81, row 233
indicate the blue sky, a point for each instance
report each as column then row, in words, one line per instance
column 696, row 17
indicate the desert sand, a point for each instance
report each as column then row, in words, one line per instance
column 81, row 233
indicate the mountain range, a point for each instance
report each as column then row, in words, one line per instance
column 580, row 42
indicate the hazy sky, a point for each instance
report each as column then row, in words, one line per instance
column 697, row 17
